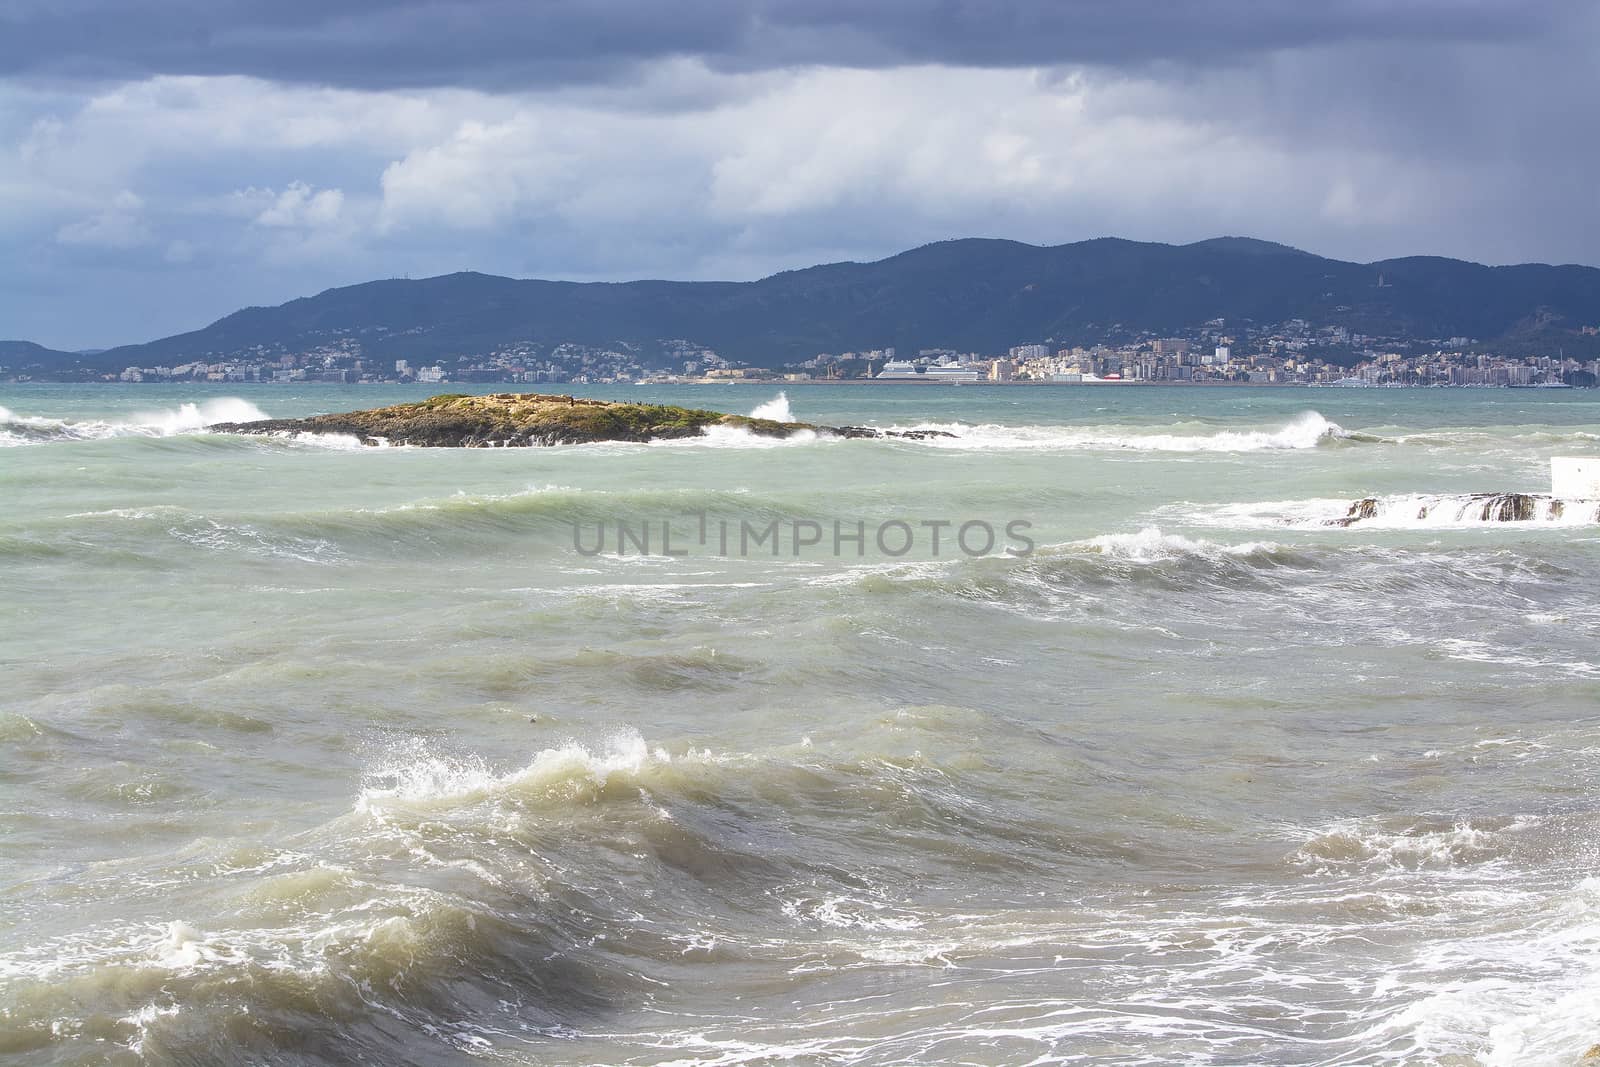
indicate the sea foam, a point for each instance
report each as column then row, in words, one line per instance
column 421, row 779
column 1308, row 430
column 187, row 417
column 777, row 409
column 1150, row 545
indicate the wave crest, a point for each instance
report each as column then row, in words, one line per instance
column 777, row 409
column 1150, row 545
column 1413, row 845
column 188, row 417
column 423, row 781
column 1308, row 430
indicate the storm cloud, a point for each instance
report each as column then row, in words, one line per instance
column 506, row 44
column 162, row 164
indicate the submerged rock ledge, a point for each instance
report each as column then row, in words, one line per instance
column 1480, row 507
column 513, row 420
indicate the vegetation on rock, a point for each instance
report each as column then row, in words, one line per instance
column 456, row 420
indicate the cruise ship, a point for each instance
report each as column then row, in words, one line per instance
column 898, row 368
column 951, row 372
column 905, row 370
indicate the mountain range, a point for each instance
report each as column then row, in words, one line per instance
column 971, row 295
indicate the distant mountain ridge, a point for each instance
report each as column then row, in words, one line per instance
column 973, row 294
column 26, row 353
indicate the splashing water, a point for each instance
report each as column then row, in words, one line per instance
column 188, row 417
column 777, row 409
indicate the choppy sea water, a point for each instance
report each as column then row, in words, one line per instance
column 315, row 753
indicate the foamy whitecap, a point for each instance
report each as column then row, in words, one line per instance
column 737, row 437
column 1305, row 431
column 1150, row 545
column 337, row 442
column 18, row 429
column 1424, row 843
column 425, row 780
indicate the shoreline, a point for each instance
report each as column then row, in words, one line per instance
column 772, row 383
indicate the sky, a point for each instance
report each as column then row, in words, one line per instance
column 165, row 162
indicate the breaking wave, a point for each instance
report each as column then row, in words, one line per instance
column 736, row 437
column 1413, row 844
column 427, row 780
column 1151, row 545
column 777, row 409
column 457, row 907
column 1308, row 430
column 18, row 429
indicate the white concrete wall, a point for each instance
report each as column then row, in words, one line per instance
column 1575, row 478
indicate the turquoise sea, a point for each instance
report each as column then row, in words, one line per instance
column 315, row 753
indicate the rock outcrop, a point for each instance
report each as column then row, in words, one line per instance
column 1365, row 508
column 508, row 420
column 1512, row 507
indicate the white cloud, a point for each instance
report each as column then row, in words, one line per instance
column 299, row 206
column 888, row 158
column 478, row 177
column 692, row 172
column 756, row 172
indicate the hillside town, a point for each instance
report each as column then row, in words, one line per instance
column 1291, row 353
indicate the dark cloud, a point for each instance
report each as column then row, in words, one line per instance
column 504, row 44
column 608, row 139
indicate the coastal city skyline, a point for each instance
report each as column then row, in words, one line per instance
column 1222, row 311
column 1165, row 361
